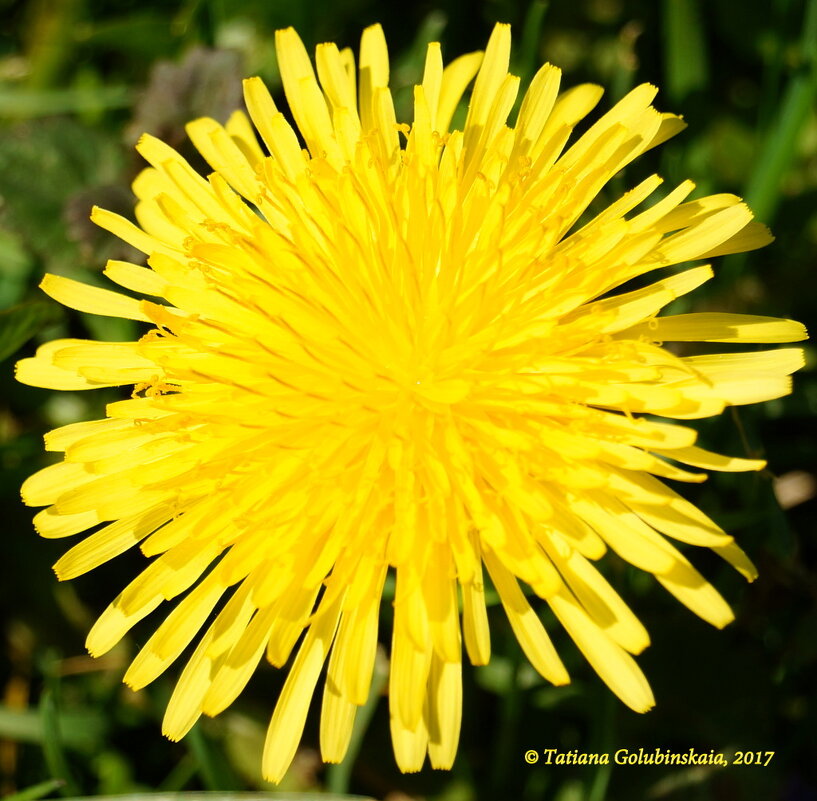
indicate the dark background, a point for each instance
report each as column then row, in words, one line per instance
column 80, row 80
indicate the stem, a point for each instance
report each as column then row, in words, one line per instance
column 338, row 775
column 506, row 732
column 604, row 737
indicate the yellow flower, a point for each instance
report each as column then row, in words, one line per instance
column 400, row 347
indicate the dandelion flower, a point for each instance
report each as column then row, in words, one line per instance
column 399, row 347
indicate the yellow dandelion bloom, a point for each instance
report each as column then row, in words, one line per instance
column 399, row 346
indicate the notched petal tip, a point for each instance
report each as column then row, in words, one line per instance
column 172, row 736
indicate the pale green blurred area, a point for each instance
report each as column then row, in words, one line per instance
column 81, row 80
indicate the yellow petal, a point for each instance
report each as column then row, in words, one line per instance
column 374, row 72
column 719, row 327
column 713, row 461
column 444, row 712
column 128, row 232
column 475, row 622
column 91, row 299
column 48, row 484
column 173, row 636
column 525, row 623
column 615, row 666
column 456, row 77
column 289, row 717
column 109, row 542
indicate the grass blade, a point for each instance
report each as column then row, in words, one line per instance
column 21, row 322
column 779, row 148
column 53, row 750
column 36, row 791
column 214, row 770
column 686, row 66
column 26, row 103
column 527, row 60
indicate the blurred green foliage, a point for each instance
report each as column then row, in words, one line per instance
column 81, row 79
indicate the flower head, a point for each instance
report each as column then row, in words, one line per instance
column 401, row 346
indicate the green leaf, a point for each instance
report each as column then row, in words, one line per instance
column 36, row 791
column 15, row 265
column 19, row 323
column 27, row 103
column 144, row 34
column 81, row 730
column 210, row 796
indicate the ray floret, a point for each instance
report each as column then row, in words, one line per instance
column 378, row 346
